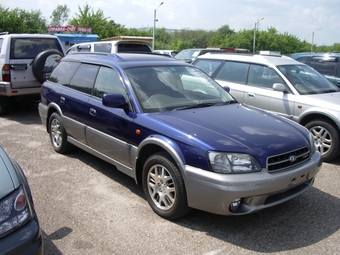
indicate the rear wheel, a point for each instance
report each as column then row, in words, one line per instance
column 164, row 187
column 58, row 134
column 326, row 138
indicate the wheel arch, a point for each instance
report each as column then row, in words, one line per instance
column 51, row 109
column 154, row 144
column 313, row 116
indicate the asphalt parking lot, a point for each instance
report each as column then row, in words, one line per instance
column 85, row 206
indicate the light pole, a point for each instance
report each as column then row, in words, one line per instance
column 311, row 47
column 154, row 26
column 254, row 40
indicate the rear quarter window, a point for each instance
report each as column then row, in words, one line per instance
column 63, row 72
column 102, row 47
column 1, row 42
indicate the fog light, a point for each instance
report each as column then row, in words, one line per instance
column 235, row 205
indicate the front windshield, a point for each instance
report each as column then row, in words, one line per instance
column 169, row 88
column 187, row 54
column 306, row 80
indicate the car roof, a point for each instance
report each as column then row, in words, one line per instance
column 28, row 35
column 123, row 60
column 250, row 58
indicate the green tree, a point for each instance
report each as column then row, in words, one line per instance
column 59, row 15
column 100, row 25
column 21, row 21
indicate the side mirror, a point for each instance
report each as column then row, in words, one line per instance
column 279, row 87
column 114, row 101
column 227, row 88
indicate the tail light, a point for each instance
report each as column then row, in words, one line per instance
column 6, row 73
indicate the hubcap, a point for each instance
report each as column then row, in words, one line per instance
column 161, row 187
column 322, row 139
column 56, row 134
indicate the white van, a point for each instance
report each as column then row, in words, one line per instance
column 114, row 45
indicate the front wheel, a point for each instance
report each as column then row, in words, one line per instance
column 58, row 134
column 326, row 138
column 164, row 187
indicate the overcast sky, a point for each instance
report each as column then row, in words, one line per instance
column 298, row 18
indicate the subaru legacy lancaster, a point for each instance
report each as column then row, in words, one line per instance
column 177, row 132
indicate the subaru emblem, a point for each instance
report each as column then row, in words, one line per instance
column 292, row 158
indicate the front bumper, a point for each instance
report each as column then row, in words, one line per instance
column 213, row 192
column 26, row 240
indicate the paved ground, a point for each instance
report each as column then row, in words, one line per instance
column 85, row 206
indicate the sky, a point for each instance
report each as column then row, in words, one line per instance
column 300, row 18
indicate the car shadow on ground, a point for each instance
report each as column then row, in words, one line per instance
column 25, row 112
column 49, row 247
column 301, row 222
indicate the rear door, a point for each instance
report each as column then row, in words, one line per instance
column 22, row 52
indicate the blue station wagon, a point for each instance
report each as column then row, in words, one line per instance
column 177, row 132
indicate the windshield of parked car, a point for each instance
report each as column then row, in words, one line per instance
column 306, row 80
column 168, row 88
column 187, row 54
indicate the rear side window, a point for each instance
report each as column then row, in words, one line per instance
column 29, row 48
column 233, row 72
column 83, row 79
column 133, row 48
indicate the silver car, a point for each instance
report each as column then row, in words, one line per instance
column 282, row 86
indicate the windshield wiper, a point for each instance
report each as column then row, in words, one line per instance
column 198, row 105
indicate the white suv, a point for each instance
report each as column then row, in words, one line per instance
column 116, row 44
column 286, row 87
column 26, row 60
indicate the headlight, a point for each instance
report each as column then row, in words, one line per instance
column 14, row 212
column 225, row 163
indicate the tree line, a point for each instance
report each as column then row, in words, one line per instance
column 22, row 21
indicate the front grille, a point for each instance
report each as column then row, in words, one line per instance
column 283, row 161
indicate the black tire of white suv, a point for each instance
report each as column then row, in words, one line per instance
column 44, row 63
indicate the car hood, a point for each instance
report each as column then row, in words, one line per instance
column 235, row 128
column 6, row 181
column 326, row 100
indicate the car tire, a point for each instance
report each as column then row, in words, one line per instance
column 326, row 138
column 164, row 187
column 44, row 63
column 58, row 134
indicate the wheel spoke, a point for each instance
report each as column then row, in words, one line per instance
column 161, row 187
column 322, row 139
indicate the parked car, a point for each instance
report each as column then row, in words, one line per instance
column 285, row 87
column 20, row 231
column 114, row 45
column 189, row 55
column 171, row 53
column 177, row 132
column 25, row 62
column 327, row 64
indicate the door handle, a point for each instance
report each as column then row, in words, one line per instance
column 251, row 95
column 93, row 112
